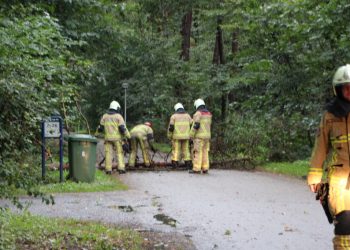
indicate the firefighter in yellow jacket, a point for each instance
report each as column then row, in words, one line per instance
column 332, row 147
column 113, row 125
column 179, row 134
column 142, row 135
column 200, row 134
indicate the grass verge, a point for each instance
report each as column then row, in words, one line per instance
column 102, row 183
column 26, row 231
column 163, row 147
column 297, row 168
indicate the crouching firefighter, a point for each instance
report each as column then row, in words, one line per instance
column 113, row 125
column 142, row 135
column 179, row 134
column 332, row 143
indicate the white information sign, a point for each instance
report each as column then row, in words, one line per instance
column 52, row 129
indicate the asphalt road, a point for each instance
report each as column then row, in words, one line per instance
column 225, row 209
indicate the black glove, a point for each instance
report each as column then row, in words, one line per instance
column 100, row 128
column 126, row 146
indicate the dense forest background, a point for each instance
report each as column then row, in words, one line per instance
column 264, row 69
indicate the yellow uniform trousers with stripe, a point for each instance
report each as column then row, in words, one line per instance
column 339, row 201
column 109, row 147
column 341, row 242
column 144, row 148
column 180, row 150
column 201, row 154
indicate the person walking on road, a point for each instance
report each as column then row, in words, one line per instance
column 113, row 125
column 332, row 147
column 179, row 134
column 200, row 134
column 142, row 135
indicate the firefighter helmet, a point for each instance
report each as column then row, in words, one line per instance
column 178, row 106
column 341, row 76
column 114, row 105
column 198, row 103
column 149, row 124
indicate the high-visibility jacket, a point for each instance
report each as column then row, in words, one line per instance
column 332, row 147
column 112, row 123
column 142, row 131
column 181, row 124
column 203, row 118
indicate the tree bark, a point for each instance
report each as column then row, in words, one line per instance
column 218, row 57
column 224, row 105
column 186, row 36
column 234, row 44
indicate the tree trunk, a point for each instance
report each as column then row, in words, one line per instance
column 234, row 44
column 224, row 105
column 218, row 57
column 186, row 36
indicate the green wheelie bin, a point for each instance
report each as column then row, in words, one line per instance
column 82, row 157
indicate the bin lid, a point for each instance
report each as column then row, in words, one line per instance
column 82, row 137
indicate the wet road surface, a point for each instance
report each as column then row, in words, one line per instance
column 225, row 209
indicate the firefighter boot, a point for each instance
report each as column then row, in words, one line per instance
column 121, row 171
column 194, row 172
column 174, row 164
column 188, row 165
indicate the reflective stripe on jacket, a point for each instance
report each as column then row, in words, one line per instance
column 203, row 117
column 182, row 125
column 141, row 131
column 111, row 123
column 331, row 147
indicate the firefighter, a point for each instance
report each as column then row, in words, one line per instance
column 200, row 135
column 141, row 134
column 179, row 134
column 115, row 130
column 332, row 147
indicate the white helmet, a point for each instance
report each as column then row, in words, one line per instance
column 178, row 106
column 198, row 102
column 114, row 105
column 341, row 76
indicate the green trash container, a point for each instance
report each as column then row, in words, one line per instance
column 82, row 157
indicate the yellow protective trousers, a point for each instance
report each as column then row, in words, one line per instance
column 339, row 202
column 144, row 148
column 109, row 146
column 180, row 148
column 338, row 199
column 201, row 154
column 341, row 242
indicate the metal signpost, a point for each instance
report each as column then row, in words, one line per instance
column 52, row 128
